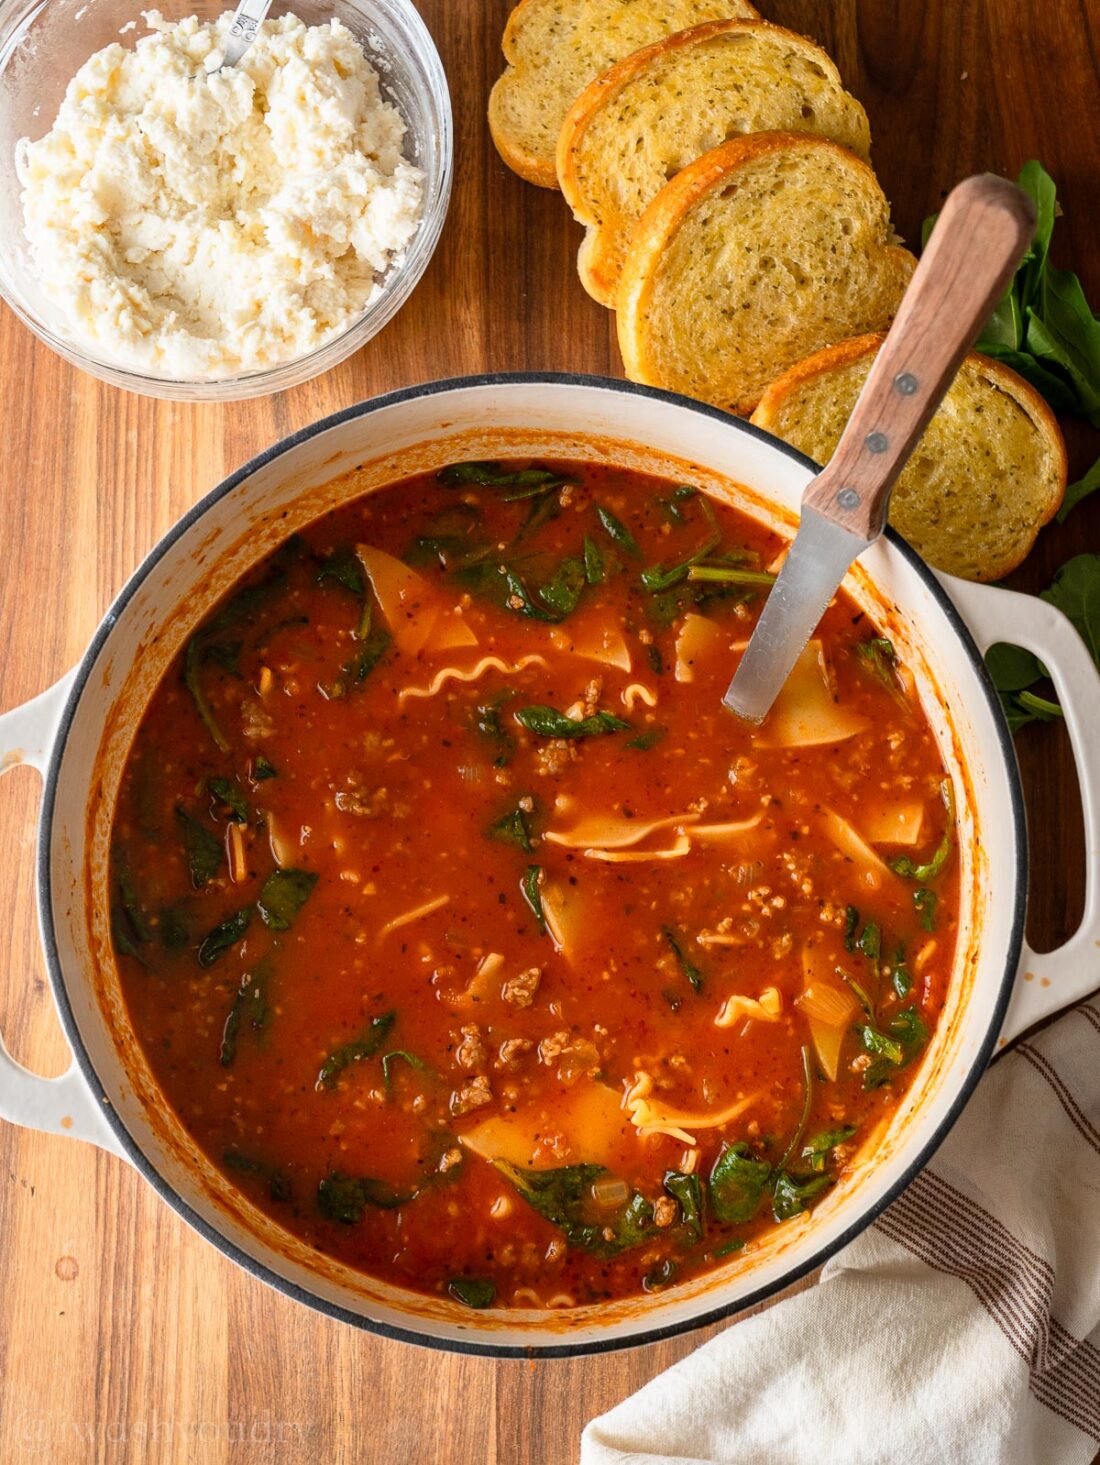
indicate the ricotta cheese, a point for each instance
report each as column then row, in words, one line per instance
column 199, row 223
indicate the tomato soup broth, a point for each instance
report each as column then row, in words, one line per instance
column 476, row 942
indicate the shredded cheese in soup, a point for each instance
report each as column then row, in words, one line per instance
column 472, row 938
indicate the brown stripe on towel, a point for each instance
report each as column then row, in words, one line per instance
column 1080, row 1120
column 953, row 1235
column 1090, row 1014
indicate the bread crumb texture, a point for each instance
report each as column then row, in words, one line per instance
column 988, row 473
column 645, row 120
column 199, row 223
column 554, row 48
column 756, row 255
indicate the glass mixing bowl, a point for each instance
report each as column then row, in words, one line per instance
column 42, row 45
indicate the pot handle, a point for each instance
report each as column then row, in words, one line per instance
column 1049, row 981
column 63, row 1105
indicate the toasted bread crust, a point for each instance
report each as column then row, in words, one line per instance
column 600, row 259
column 1035, row 407
column 532, row 164
column 674, row 205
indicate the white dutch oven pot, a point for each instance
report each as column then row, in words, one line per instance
column 77, row 734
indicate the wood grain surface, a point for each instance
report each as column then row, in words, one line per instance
column 123, row 1337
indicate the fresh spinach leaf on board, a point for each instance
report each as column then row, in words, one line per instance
column 366, row 1045
column 1075, row 591
column 1075, row 492
column 282, row 896
column 547, row 722
column 564, row 1197
column 1043, row 327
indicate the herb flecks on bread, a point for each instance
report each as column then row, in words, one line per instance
column 988, row 473
column 645, row 119
column 554, row 48
column 757, row 254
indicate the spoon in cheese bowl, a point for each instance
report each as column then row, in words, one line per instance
column 247, row 19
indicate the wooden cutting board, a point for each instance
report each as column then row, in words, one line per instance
column 123, row 1337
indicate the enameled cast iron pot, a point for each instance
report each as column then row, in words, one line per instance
column 78, row 733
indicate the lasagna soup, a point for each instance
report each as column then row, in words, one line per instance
column 471, row 937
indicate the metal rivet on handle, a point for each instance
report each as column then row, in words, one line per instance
column 877, row 442
column 847, row 498
column 906, row 383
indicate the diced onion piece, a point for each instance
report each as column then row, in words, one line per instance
column 610, row 1192
column 638, row 857
column 805, row 714
column 737, row 1009
column 874, row 871
column 594, row 642
column 894, row 824
column 416, row 614
column 613, row 831
column 826, row 1003
column 698, row 637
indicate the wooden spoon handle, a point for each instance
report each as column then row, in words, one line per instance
column 984, row 228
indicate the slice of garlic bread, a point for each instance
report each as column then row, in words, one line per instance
column 988, row 473
column 641, row 122
column 554, row 48
column 758, row 253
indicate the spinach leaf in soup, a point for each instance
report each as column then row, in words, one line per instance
column 343, row 567
column 892, row 1051
column 250, row 1006
column 687, row 1190
column 283, row 895
column 488, row 723
column 229, row 797
column 911, row 870
column 476, row 1292
column 366, row 1045
column 205, row 851
column 548, row 722
column 514, row 827
column 791, row 1194
column 263, row 769
column 391, row 1058
column 617, row 532
column 688, row 968
column 345, row 1198
column 523, row 481
column 224, row 936
column 737, row 1184
column 531, row 886
column 818, row 1150
column 278, row 1182
column 566, row 1199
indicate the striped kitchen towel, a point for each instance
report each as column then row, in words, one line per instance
column 964, row 1326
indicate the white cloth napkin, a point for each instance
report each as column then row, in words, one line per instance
column 964, row 1326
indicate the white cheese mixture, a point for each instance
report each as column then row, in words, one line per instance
column 199, row 223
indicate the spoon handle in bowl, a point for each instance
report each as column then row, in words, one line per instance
column 984, row 228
